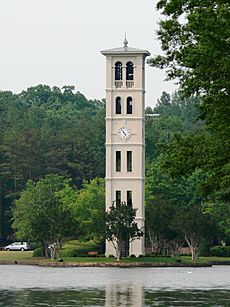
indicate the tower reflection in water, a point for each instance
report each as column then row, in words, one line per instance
column 124, row 295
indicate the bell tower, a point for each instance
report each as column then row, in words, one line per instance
column 125, row 133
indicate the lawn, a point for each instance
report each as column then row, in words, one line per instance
column 27, row 255
column 13, row 256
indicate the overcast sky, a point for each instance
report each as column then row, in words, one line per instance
column 58, row 42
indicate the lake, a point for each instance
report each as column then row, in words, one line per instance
column 113, row 287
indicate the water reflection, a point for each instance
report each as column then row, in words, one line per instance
column 124, row 295
column 120, row 296
column 23, row 286
column 35, row 297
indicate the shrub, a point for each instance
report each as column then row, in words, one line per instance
column 101, row 256
column 78, row 249
column 220, row 251
column 132, row 256
column 205, row 249
column 149, row 255
column 111, row 256
column 38, row 252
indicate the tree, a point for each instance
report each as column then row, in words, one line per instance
column 120, row 227
column 88, row 208
column 163, row 193
column 195, row 38
column 176, row 116
column 47, row 130
column 39, row 215
column 217, row 207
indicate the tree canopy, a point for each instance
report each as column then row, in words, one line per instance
column 39, row 215
column 47, row 130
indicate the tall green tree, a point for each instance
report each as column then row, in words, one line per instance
column 39, row 215
column 195, row 39
column 43, row 131
column 120, row 227
column 88, row 208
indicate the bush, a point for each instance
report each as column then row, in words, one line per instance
column 205, row 249
column 220, row 251
column 150, row 255
column 38, row 252
column 78, row 249
column 111, row 256
column 101, row 256
column 132, row 256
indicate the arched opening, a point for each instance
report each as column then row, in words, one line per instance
column 118, row 105
column 129, row 105
column 129, row 71
column 118, row 71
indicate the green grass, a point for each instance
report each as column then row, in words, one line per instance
column 12, row 255
column 80, row 245
column 208, row 259
column 27, row 255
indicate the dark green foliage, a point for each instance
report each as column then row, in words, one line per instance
column 74, row 253
column 176, row 116
column 38, row 252
column 179, row 179
column 120, row 226
column 220, row 251
column 195, row 38
column 78, row 249
column 205, row 249
column 47, row 130
column 39, row 214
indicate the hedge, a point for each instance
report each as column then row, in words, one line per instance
column 220, row 251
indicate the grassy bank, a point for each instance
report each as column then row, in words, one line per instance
column 18, row 256
column 13, row 256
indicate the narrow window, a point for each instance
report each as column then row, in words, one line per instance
column 118, row 105
column 129, row 161
column 129, row 105
column 118, row 198
column 118, row 71
column 129, row 71
column 118, row 161
column 129, row 198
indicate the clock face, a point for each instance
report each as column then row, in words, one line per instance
column 124, row 133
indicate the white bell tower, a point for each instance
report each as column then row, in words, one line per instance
column 125, row 133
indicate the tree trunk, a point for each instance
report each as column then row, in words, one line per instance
column 194, row 251
column 118, row 250
column 54, row 250
column 194, row 247
column 45, row 249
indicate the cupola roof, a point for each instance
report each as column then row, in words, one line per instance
column 124, row 50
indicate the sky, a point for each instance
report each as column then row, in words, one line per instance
column 58, row 42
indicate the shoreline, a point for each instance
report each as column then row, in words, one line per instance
column 120, row 264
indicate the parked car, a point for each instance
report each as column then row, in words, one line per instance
column 18, row 246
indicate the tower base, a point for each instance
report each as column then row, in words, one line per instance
column 136, row 247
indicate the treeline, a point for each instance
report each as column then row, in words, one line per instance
column 57, row 131
column 44, row 131
column 187, row 195
column 195, row 40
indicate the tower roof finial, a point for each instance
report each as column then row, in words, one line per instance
column 125, row 41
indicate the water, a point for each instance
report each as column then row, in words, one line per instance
column 114, row 287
